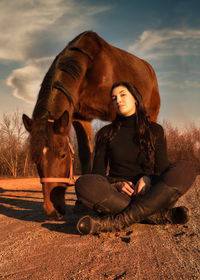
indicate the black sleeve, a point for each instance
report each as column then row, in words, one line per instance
column 161, row 158
column 100, row 162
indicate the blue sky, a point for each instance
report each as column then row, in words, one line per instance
column 165, row 33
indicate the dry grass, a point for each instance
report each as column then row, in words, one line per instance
column 183, row 144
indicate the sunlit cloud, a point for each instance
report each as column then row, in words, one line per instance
column 181, row 80
column 35, row 32
column 26, row 23
column 22, row 20
column 171, row 49
column 181, row 85
column 26, row 81
column 158, row 44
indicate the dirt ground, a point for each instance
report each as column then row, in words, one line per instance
column 32, row 247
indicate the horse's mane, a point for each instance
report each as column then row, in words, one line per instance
column 65, row 63
column 42, row 132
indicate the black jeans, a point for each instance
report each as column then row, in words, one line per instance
column 97, row 193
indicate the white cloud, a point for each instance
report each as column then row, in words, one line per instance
column 179, row 80
column 176, row 52
column 20, row 20
column 35, row 29
column 96, row 10
column 157, row 44
column 26, row 80
column 24, row 23
column 181, row 85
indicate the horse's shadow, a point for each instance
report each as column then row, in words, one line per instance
column 69, row 227
column 71, row 218
column 29, row 207
column 21, row 208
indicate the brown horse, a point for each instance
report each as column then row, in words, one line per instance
column 76, row 90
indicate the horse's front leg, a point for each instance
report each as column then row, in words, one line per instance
column 84, row 138
column 54, row 200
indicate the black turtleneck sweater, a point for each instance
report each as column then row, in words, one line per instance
column 121, row 154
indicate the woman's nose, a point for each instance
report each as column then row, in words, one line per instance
column 118, row 99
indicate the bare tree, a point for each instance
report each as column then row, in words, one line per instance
column 12, row 137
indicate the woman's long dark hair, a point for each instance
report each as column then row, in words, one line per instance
column 145, row 138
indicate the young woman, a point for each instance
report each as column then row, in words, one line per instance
column 140, row 182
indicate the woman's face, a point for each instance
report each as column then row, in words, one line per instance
column 123, row 101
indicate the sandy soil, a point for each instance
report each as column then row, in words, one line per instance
column 31, row 247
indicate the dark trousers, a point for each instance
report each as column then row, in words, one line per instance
column 97, row 193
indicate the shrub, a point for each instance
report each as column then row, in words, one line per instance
column 183, row 144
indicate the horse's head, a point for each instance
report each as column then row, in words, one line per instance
column 51, row 151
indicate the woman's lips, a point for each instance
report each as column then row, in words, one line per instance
column 120, row 106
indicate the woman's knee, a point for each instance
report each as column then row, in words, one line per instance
column 95, row 192
column 180, row 174
column 89, row 181
column 92, row 187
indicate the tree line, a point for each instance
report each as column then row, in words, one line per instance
column 14, row 156
column 15, row 160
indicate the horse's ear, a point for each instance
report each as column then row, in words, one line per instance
column 61, row 124
column 27, row 122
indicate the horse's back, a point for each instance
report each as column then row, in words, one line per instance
column 86, row 68
column 112, row 64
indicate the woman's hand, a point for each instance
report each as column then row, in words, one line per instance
column 125, row 188
column 143, row 184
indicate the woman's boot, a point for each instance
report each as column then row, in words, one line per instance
column 176, row 215
column 89, row 225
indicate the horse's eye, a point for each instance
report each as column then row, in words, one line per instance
column 63, row 156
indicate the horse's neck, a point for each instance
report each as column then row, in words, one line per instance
column 61, row 84
column 55, row 97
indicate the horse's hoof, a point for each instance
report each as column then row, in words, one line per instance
column 55, row 216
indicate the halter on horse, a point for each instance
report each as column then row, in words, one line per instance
column 70, row 180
